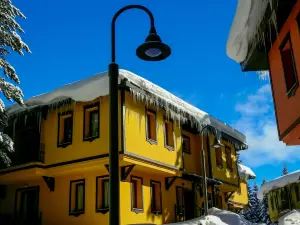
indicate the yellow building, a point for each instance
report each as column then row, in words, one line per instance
column 239, row 199
column 283, row 195
column 59, row 173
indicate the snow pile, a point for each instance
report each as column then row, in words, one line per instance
column 245, row 172
column 229, row 217
column 279, row 182
column 291, row 218
column 243, row 32
column 207, row 220
column 96, row 86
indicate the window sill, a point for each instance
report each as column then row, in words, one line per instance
column 220, row 167
column 170, row 148
column 229, row 170
column 187, row 152
column 156, row 213
column 64, row 145
column 103, row 211
column 292, row 91
column 90, row 139
column 76, row 213
column 152, row 142
column 137, row 211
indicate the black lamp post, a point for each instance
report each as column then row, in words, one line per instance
column 217, row 144
column 151, row 50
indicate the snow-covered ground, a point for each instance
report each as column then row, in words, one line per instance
column 279, row 182
column 216, row 217
column 291, row 218
column 245, row 172
column 96, row 86
column 248, row 16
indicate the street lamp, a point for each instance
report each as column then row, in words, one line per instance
column 151, row 50
column 217, row 144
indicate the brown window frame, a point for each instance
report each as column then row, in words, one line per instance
column 103, row 180
column 219, row 158
column 290, row 91
column 228, row 156
column 179, row 208
column 298, row 21
column 154, row 209
column 169, row 146
column 188, row 151
column 64, row 143
column 74, row 211
column 90, row 137
column 134, row 205
column 148, row 127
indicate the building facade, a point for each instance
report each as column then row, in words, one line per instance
column 273, row 43
column 60, row 172
column 283, row 195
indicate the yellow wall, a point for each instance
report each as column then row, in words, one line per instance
column 224, row 174
column 241, row 196
column 136, row 135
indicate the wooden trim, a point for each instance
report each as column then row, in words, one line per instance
column 153, row 210
column 298, row 21
column 289, row 129
column 137, row 210
column 76, row 212
column 166, row 121
column 189, row 138
column 292, row 90
column 151, row 141
column 63, row 145
column 101, row 209
column 85, row 108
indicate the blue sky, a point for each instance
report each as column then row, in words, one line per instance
column 70, row 40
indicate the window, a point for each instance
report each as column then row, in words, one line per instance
column 179, row 201
column 297, row 192
column 151, row 127
column 289, row 67
column 91, row 122
column 219, row 160
column 102, row 194
column 186, row 144
column 137, row 194
column 228, row 158
column 169, row 139
column 65, row 129
column 219, row 202
column 77, row 197
column 156, row 206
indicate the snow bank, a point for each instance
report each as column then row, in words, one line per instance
column 248, row 16
column 291, row 218
column 245, row 172
column 279, row 182
column 216, row 217
column 96, row 86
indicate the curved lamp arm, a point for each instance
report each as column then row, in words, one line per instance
column 113, row 26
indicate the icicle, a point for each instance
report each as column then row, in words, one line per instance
column 25, row 119
column 14, row 127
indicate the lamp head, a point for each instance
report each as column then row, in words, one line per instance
column 217, row 143
column 153, row 49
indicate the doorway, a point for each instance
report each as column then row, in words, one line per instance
column 189, row 204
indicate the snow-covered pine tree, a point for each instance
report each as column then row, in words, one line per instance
column 284, row 170
column 10, row 41
column 252, row 213
column 264, row 211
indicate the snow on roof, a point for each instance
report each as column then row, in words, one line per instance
column 279, row 182
column 290, row 218
column 248, row 16
column 245, row 172
column 96, row 86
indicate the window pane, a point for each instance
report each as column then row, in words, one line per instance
column 105, row 194
column 228, row 158
column 79, row 197
column 288, row 65
column 153, row 196
column 186, row 144
column 67, row 129
column 94, row 124
column 134, row 193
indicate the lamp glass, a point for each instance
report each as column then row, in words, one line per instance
column 153, row 52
